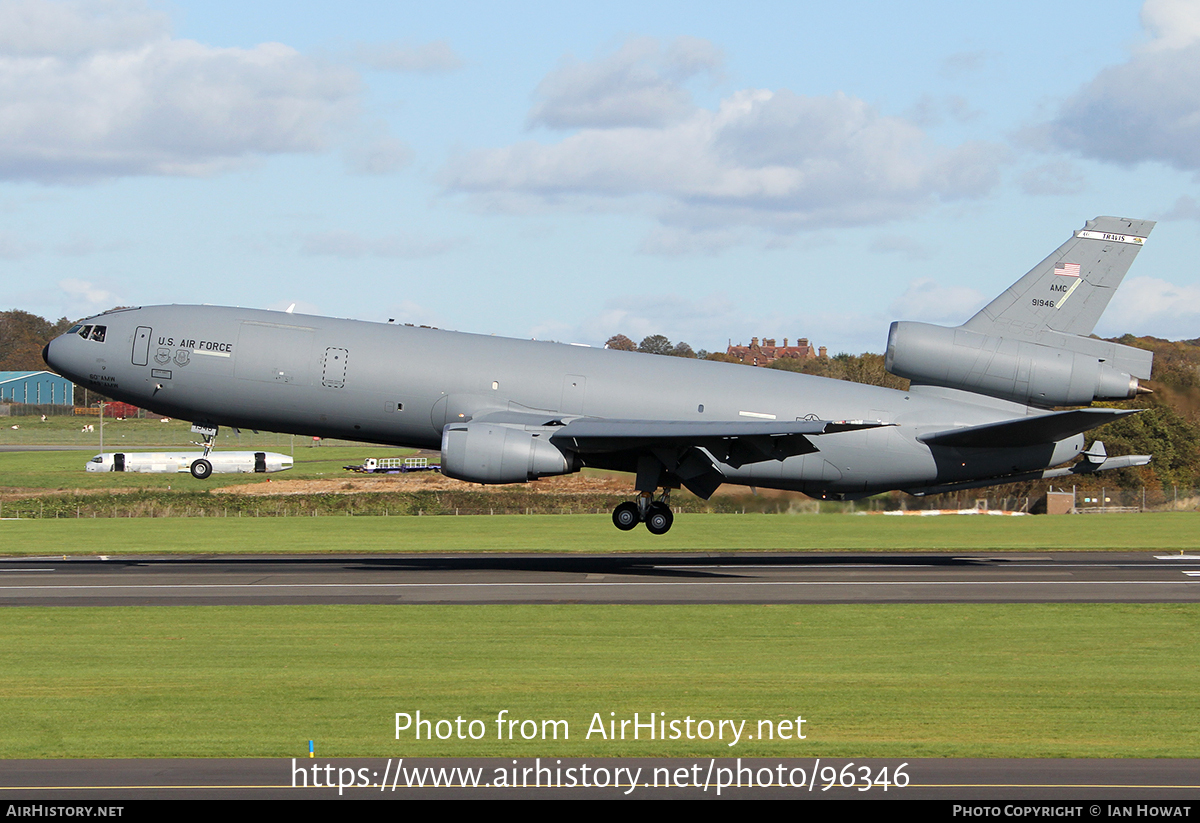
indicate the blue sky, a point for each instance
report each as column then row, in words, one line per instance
column 570, row 171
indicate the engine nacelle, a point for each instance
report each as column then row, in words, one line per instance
column 1055, row 369
column 490, row 453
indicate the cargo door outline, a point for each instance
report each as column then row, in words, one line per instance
column 333, row 374
column 141, row 346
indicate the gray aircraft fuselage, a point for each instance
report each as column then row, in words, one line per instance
column 506, row 411
column 401, row 385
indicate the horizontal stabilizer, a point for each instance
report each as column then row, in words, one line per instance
column 1026, row 431
column 1089, row 465
column 1085, row 466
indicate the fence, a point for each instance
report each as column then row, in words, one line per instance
column 23, row 409
column 161, row 503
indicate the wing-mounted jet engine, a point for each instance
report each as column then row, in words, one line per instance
column 1028, row 345
column 483, row 452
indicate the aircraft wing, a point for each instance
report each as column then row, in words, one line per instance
column 694, row 451
column 766, row 440
column 1026, row 431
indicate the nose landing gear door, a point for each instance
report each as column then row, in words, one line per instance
column 141, row 346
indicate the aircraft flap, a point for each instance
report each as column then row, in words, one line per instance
column 1026, row 431
column 765, row 440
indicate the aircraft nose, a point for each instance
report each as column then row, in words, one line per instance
column 56, row 357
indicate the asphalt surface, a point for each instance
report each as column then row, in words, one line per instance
column 1060, row 577
column 1175, row 782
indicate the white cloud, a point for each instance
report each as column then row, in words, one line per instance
column 640, row 85
column 90, row 90
column 772, row 160
column 929, row 301
column 37, row 28
column 1148, row 305
column 437, row 56
column 1147, row 108
column 81, row 298
column 350, row 245
column 1173, row 23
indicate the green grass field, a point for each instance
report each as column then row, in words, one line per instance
column 595, row 533
column 145, row 434
column 64, row 470
column 897, row 681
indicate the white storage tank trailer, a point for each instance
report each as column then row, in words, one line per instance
column 195, row 463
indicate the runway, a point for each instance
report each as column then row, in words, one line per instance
column 1043, row 782
column 1059, row 577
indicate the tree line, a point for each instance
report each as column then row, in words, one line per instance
column 22, row 338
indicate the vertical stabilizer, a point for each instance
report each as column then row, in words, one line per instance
column 1069, row 290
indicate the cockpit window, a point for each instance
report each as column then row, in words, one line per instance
column 97, row 459
column 75, row 328
column 96, row 333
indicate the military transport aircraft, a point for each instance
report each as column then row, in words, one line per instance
column 980, row 410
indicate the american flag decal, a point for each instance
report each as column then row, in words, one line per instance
column 1067, row 269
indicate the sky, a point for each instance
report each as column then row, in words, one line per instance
column 570, row 171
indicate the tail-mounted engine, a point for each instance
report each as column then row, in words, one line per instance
column 1053, row 369
column 489, row 453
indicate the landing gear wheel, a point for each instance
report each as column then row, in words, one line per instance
column 659, row 520
column 625, row 516
column 201, row 469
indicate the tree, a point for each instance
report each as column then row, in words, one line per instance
column 856, row 368
column 655, row 344
column 22, row 338
column 621, row 343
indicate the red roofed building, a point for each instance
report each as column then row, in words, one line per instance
column 767, row 352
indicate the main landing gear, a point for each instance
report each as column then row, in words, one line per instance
column 656, row 514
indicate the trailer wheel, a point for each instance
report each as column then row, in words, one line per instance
column 201, row 469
